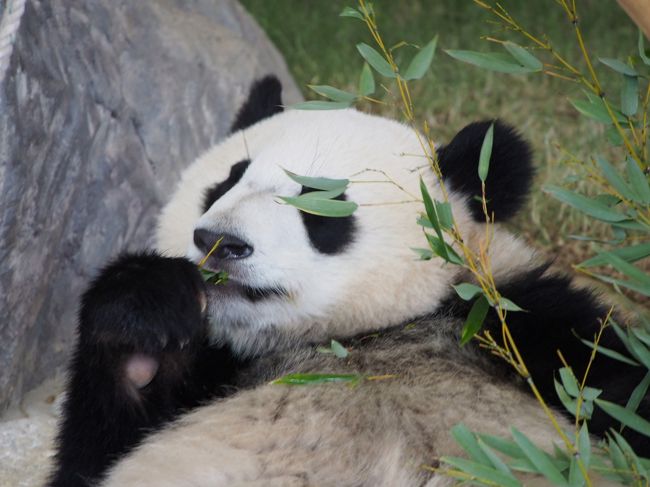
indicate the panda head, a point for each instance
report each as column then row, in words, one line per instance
column 296, row 276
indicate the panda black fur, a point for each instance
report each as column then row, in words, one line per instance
column 156, row 342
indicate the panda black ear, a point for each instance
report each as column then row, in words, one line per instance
column 264, row 100
column 509, row 177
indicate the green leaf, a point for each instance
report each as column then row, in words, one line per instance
column 475, row 319
column 569, row 381
column 422, row 61
column 633, row 285
column 625, row 417
column 597, row 111
column 507, row 447
column 638, row 394
column 322, row 195
column 571, row 405
column 584, row 445
column 638, row 181
column 486, row 153
column 618, row 66
column 351, row 12
column 366, row 81
column 524, row 56
column 482, row 473
column 333, row 93
column 642, row 54
column 321, row 105
column 331, row 208
column 489, row 60
column 211, row 277
column 586, row 205
column 629, row 453
column 641, row 351
column 494, row 458
column 376, row 60
column 614, row 137
column 538, row 458
column 316, row 379
column 339, row 350
column 619, row 461
column 324, row 184
column 613, row 176
column 627, row 269
column 576, row 479
column 508, row 305
column 630, row 95
column 629, row 254
column 465, row 438
column 444, row 250
column 424, row 254
column 443, row 212
column 467, row 291
column 610, row 353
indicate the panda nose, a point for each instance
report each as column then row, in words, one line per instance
column 229, row 248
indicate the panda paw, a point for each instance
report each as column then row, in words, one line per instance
column 144, row 304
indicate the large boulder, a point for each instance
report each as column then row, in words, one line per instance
column 103, row 104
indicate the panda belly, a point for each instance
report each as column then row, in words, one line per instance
column 388, row 429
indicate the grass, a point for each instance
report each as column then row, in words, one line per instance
column 319, row 47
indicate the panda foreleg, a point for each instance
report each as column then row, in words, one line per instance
column 142, row 357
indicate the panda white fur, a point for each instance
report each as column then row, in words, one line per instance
column 156, row 342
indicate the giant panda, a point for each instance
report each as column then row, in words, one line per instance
column 170, row 382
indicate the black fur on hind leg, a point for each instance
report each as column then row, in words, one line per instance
column 142, row 305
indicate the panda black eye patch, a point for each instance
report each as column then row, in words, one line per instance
column 328, row 235
column 213, row 193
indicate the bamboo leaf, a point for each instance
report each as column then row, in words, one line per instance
column 422, row 61
column 613, row 176
column 629, row 254
column 627, row 269
column 323, row 184
column 339, row 350
column 508, row 305
column 642, row 54
column 611, row 353
column 588, row 206
column 334, row 94
column 376, row 60
column 366, row 81
column 322, row 195
column 465, row 438
column 481, row 472
column 538, row 458
column 584, row 444
column 321, row 105
column 331, row 208
column 507, row 447
column 524, row 56
column 443, row 249
column 494, row 459
column 351, row 12
column 638, row 394
column 486, row 153
column 424, row 254
column 490, row 61
column 596, row 111
column 316, row 379
column 569, row 381
column 571, row 405
column 618, row 66
column 630, row 95
column 638, row 181
column 475, row 319
column 467, row 291
column 625, row 417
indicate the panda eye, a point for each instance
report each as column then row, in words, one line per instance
column 328, row 235
column 213, row 193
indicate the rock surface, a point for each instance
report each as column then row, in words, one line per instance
column 103, row 105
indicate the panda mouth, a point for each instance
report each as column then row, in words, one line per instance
column 255, row 294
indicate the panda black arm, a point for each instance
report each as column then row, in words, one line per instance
column 557, row 315
column 142, row 357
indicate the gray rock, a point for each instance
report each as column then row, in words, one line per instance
column 103, row 105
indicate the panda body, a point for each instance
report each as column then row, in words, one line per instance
column 201, row 409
